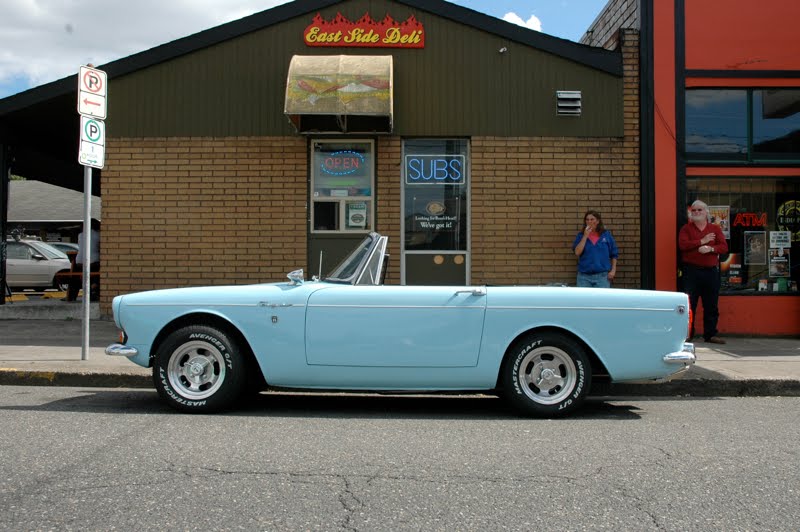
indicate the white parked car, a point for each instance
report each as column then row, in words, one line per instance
column 34, row 264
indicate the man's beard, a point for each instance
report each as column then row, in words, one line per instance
column 699, row 218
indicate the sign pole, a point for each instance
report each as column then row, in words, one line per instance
column 87, row 254
column 92, row 92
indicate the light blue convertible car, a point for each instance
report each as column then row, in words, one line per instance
column 540, row 347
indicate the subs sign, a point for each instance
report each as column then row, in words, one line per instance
column 435, row 170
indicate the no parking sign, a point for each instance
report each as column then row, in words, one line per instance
column 92, row 91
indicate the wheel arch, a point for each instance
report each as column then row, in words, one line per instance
column 599, row 370
column 211, row 320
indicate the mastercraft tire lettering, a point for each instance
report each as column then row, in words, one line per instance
column 546, row 375
column 199, row 369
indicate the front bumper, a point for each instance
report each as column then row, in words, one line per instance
column 121, row 350
column 685, row 356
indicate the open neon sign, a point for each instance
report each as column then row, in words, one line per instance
column 435, row 169
column 343, row 162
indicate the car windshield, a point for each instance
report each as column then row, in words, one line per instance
column 350, row 266
column 48, row 251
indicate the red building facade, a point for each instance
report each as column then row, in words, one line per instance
column 720, row 85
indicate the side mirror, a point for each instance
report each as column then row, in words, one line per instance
column 37, row 256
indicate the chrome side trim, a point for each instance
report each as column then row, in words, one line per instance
column 685, row 356
column 121, row 350
column 580, row 308
column 203, row 305
column 444, row 307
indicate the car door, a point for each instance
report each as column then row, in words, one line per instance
column 395, row 326
column 22, row 268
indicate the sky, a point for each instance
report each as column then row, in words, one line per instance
column 46, row 40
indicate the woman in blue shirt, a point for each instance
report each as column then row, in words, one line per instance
column 597, row 253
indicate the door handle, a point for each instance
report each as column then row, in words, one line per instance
column 472, row 292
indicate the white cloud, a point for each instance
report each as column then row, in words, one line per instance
column 532, row 23
column 45, row 40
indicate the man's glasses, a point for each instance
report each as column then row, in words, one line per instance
column 698, row 210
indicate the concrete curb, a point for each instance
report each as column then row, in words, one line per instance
column 676, row 388
column 11, row 377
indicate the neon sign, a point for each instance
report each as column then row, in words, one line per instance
column 435, row 169
column 343, row 162
column 365, row 32
column 750, row 219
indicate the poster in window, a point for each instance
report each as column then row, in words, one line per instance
column 721, row 215
column 731, row 271
column 755, row 247
column 356, row 215
column 780, row 239
column 779, row 263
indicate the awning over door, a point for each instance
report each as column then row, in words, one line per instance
column 340, row 94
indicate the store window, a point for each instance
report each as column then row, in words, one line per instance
column 716, row 124
column 776, row 124
column 342, row 185
column 435, row 193
column 742, row 125
column 760, row 218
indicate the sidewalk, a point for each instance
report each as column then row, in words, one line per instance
column 48, row 352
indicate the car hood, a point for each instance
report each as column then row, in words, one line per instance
column 214, row 295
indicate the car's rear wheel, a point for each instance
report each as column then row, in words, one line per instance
column 60, row 285
column 199, row 369
column 546, row 375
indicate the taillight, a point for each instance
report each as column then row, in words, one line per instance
column 689, row 328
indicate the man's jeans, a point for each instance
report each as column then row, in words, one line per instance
column 594, row 280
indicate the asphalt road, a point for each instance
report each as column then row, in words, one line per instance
column 101, row 459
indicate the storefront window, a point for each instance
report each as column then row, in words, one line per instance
column 760, row 218
column 719, row 126
column 342, row 177
column 776, row 124
column 716, row 124
column 435, row 183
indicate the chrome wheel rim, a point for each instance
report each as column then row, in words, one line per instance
column 196, row 370
column 547, row 375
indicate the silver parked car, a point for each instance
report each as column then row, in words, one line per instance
column 34, row 264
column 66, row 247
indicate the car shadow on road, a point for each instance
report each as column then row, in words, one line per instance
column 326, row 405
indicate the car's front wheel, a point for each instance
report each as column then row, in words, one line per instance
column 546, row 375
column 199, row 369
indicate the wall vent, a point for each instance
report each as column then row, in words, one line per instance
column 568, row 103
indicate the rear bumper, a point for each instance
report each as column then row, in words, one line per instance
column 685, row 356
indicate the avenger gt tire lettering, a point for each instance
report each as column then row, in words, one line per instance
column 546, row 375
column 199, row 369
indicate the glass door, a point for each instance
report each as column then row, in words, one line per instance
column 435, row 212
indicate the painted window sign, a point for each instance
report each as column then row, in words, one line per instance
column 343, row 162
column 365, row 32
column 435, row 169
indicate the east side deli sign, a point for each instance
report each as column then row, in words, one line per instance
column 365, row 32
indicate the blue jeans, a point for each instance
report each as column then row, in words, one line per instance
column 594, row 280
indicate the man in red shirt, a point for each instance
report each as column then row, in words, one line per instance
column 701, row 243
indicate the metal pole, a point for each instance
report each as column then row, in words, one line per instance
column 5, row 176
column 87, row 257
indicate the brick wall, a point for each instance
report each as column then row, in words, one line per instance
column 388, row 184
column 529, row 196
column 201, row 211
column 616, row 15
